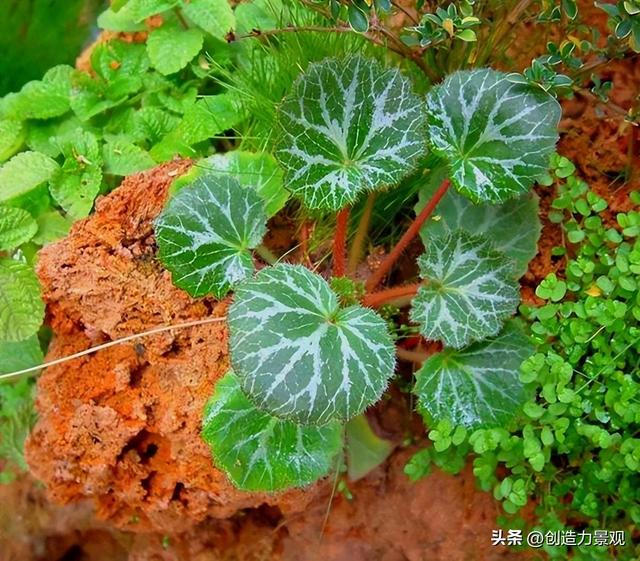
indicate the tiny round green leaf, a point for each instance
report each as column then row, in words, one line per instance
column 348, row 126
column 205, row 234
column 260, row 452
column 495, row 135
column 299, row 355
column 469, row 290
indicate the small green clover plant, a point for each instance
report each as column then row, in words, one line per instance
column 305, row 359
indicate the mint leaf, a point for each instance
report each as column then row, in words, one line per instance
column 12, row 134
column 348, row 126
column 260, row 452
column 171, row 48
column 17, row 226
column 77, row 183
column 21, row 308
column 469, row 290
column 213, row 16
column 124, row 158
column 19, row 355
column 23, row 173
column 496, row 136
column 205, row 234
column 477, row 386
column 300, row 356
column 52, row 226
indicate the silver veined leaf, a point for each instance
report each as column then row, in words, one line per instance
column 513, row 226
column 346, row 127
column 260, row 452
column 299, row 355
column 21, row 308
column 496, row 136
column 469, row 290
column 478, row 385
column 205, row 234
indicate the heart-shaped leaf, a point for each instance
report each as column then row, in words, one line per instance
column 205, row 234
column 348, row 126
column 299, row 355
column 260, row 452
column 476, row 386
column 496, row 136
column 513, row 227
column 469, row 290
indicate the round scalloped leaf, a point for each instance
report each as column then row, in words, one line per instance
column 299, row 355
column 496, row 136
column 469, row 290
column 348, row 126
column 260, row 452
column 205, row 234
column 476, row 386
column 21, row 308
column 513, row 227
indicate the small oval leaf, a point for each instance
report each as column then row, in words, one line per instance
column 513, row 227
column 299, row 355
column 260, row 452
column 495, row 135
column 21, row 308
column 476, row 386
column 469, row 292
column 205, row 234
column 346, row 127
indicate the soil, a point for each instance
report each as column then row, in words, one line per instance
column 118, row 469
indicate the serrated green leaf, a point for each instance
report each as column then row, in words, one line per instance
column 348, row 126
column 260, row 452
column 125, row 158
column 258, row 171
column 41, row 99
column 21, row 308
column 213, row 16
column 513, row 227
column 17, row 226
column 77, row 183
column 205, row 234
column 19, row 355
column 171, row 48
column 477, row 386
column 299, row 355
column 12, row 135
column 121, row 20
column 24, row 172
column 139, row 10
column 496, row 136
column 206, row 118
column 469, row 290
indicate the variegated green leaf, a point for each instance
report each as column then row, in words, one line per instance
column 348, row 126
column 469, row 290
column 205, row 234
column 299, row 355
column 513, row 227
column 478, row 385
column 496, row 136
column 260, row 452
